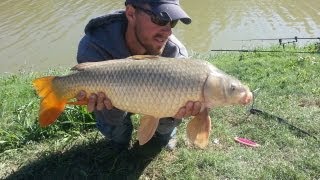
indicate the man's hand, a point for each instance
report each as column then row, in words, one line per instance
column 190, row 109
column 96, row 101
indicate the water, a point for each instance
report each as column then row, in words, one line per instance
column 39, row 34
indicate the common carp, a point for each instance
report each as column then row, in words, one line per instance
column 152, row 86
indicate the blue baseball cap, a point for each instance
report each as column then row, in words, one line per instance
column 167, row 9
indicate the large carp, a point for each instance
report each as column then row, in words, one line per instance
column 152, row 86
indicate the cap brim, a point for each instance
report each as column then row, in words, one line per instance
column 174, row 11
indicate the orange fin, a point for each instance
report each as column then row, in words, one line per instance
column 147, row 128
column 198, row 129
column 50, row 107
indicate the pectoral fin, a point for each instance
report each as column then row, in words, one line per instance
column 198, row 129
column 148, row 126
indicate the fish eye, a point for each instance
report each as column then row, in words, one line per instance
column 233, row 87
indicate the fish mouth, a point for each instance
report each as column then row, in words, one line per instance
column 247, row 98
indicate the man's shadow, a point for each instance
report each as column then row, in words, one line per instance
column 91, row 161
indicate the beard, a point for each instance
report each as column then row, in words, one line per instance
column 153, row 51
column 150, row 48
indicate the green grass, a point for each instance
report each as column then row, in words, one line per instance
column 289, row 87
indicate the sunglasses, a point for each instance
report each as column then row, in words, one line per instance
column 156, row 19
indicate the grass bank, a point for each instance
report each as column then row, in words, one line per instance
column 289, row 87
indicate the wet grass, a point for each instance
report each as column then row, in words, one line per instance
column 72, row 148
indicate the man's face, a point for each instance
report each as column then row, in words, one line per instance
column 151, row 36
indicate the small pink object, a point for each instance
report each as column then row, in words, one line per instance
column 247, row 142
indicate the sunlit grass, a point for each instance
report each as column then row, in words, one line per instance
column 288, row 87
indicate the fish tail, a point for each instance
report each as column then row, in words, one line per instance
column 51, row 106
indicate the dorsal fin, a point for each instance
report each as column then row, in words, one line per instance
column 144, row 57
column 88, row 65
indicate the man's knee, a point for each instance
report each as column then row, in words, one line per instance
column 115, row 126
column 167, row 125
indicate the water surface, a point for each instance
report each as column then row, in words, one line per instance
column 39, row 34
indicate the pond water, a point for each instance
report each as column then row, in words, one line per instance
column 39, row 34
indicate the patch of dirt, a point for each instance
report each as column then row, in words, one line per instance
column 309, row 103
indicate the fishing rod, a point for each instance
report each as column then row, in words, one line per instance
column 279, row 119
column 262, row 51
column 279, row 39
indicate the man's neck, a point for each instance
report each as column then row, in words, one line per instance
column 133, row 44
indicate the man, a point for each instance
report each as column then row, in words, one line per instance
column 145, row 27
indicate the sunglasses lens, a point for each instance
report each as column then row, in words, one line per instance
column 159, row 21
column 162, row 22
column 173, row 23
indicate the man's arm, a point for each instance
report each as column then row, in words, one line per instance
column 175, row 49
column 88, row 51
